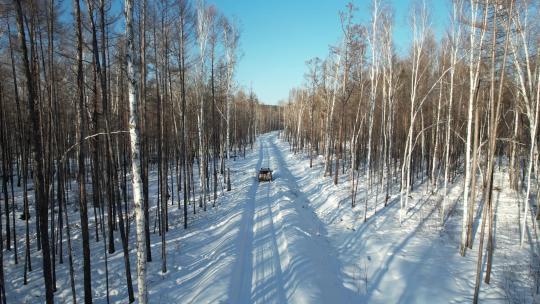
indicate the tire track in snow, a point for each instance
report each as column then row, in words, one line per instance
column 311, row 270
column 212, row 250
column 240, row 286
column 267, row 282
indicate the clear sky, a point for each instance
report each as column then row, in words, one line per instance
column 278, row 36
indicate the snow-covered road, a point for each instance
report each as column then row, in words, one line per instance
column 289, row 252
column 297, row 240
column 282, row 252
column 262, row 244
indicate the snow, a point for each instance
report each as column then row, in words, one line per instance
column 297, row 240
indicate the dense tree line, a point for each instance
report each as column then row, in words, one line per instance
column 105, row 99
column 448, row 108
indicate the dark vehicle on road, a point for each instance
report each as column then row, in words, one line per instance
column 265, row 175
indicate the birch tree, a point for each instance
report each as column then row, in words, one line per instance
column 331, row 102
column 528, row 84
column 419, row 22
column 134, row 131
column 203, row 24
column 476, row 40
column 374, row 79
column 313, row 78
column 455, row 36
column 230, row 41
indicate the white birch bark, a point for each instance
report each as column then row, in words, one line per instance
column 329, row 117
column 419, row 35
column 474, row 71
column 373, row 78
column 434, row 164
column 299, row 126
column 388, row 82
column 202, row 39
column 230, row 40
column 529, row 85
column 455, row 40
column 135, row 144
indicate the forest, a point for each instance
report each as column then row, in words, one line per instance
column 127, row 144
column 466, row 105
column 88, row 102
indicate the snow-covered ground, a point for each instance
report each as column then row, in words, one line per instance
column 297, row 240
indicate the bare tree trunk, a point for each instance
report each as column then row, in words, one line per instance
column 455, row 36
column 81, row 159
column 474, row 70
column 480, row 249
column 373, row 78
column 181, row 62
column 39, row 180
column 135, row 144
column 329, row 119
column 419, row 23
column 143, row 130
column 514, row 170
column 4, row 169
column 434, row 164
column 475, row 152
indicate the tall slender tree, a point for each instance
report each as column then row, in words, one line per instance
column 135, row 145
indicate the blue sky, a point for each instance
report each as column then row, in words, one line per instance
column 278, row 36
